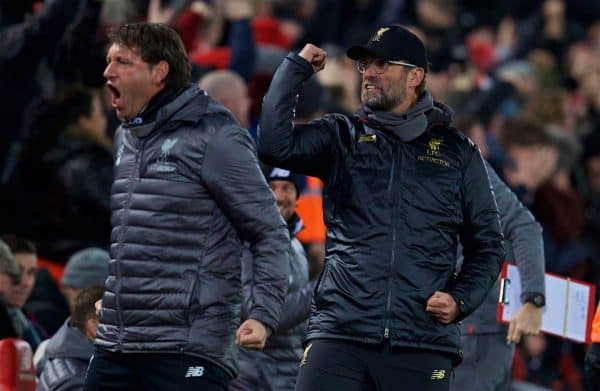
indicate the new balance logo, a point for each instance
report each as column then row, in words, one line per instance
column 305, row 355
column 438, row 374
column 195, row 372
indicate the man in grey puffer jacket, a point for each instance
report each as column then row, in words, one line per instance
column 187, row 192
column 276, row 367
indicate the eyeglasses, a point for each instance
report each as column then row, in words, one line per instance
column 379, row 64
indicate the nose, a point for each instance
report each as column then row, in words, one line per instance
column 369, row 72
column 108, row 71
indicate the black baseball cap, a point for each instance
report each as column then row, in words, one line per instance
column 393, row 42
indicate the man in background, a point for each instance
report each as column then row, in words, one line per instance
column 68, row 352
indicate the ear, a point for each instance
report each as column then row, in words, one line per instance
column 160, row 72
column 415, row 77
column 90, row 327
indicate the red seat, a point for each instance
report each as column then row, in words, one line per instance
column 17, row 372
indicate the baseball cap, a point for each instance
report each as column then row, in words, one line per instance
column 393, row 42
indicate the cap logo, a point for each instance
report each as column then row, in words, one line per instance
column 379, row 34
column 279, row 173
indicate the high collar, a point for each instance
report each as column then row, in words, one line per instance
column 294, row 225
column 407, row 126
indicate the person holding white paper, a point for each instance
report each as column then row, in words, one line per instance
column 488, row 346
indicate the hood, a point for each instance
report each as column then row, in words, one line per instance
column 69, row 342
column 440, row 115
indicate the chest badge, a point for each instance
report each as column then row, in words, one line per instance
column 434, row 156
column 367, row 138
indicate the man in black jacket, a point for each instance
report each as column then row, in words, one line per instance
column 401, row 186
column 187, row 192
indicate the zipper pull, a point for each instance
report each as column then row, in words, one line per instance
column 386, row 333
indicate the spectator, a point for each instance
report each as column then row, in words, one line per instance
column 60, row 204
column 230, row 90
column 85, row 269
column 68, row 352
column 276, row 366
column 10, row 274
column 25, row 327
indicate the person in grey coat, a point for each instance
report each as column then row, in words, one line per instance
column 488, row 345
column 188, row 191
column 275, row 368
column 68, row 352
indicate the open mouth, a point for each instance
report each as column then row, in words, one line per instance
column 116, row 94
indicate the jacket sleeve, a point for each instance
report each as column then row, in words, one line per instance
column 304, row 148
column 296, row 308
column 230, row 171
column 523, row 232
column 481, row 237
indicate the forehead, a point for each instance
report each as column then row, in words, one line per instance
column 26, row 260
column 122, row 51
column 280, row 183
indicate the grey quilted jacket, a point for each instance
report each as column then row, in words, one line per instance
column 187, row 192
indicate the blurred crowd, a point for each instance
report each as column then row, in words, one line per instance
column 522, row 76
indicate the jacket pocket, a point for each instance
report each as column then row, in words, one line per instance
column 191, row 292
column 321, row 286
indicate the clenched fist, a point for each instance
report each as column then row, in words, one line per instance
column 251, row 334
column 442, row 307
column 314, row 55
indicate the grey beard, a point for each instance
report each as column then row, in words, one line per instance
column 382, row 102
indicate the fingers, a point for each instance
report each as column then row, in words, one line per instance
column 442, row 307
column 251, row 335
column 514, row 335
column 251, row 340
column 314, row 55
column 98, row 306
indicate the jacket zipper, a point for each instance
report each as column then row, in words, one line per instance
column 132, row 178
column 388, row 306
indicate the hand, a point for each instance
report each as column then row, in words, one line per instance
column 527, row 321
column 158, row 14
column 251, row 334
column 314, row 55
column 238, row 9
column 442, row 307
column 98, row 305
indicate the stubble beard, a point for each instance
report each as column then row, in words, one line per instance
column 384, row 100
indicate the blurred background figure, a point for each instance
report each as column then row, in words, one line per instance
column 22, row 321
column 276, row 366
column 61, row 184
column 85, row 269
column 10, row 275
column 68, row 353
column 229, row 89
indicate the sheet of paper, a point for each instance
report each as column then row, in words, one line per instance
column 567, row 304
